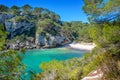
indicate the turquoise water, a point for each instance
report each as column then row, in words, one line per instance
column 33, row 58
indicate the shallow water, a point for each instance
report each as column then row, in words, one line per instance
column 33, row 58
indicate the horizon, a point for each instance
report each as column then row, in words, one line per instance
column 68, row 10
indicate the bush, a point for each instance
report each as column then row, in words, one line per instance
column 20, row 18
column 111, row 34
column 12, row 67
column 106, row 37
column 94, row 64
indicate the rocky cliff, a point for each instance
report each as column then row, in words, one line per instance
column 4, row 17
column 16, row 25
column 49, row 40
column 16, row 28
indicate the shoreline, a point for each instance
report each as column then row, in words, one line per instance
column 82, row 46
column 75, row 46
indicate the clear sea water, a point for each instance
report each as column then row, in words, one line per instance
column 33, row 58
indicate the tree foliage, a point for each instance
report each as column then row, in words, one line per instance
column 59, row 69
column 3, row 8
column 11, row 67
column 26, row 9
column 105, row 36
column 3, row 35
column 102, row 10
column 111, row 33
column 37, row 11
column 77, row 31
column 15, row 9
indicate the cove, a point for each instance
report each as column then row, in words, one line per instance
column 33, row 58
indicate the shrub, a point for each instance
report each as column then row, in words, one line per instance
column 94, row 64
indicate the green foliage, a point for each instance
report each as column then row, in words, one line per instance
column 112, row 65
column 56, row 65
column 111, row 33
column 37, row 11
column 83, row 33
column 108, row 36
column 44, row 25
column 77, row 30
column 3, row 35
column 15, row 10
column 49, row 22
column 3, row 8
column 20, row 38
column 96, row 35
column 94, row 64
column 26, row 9
column 54, row 17
column 11, row 67
column 23, row 50
column 73, row 69
column 20, row 19
column 101, row 8
column 47, row 26
column 60, row 70
column 105, row 36
column 76, row 69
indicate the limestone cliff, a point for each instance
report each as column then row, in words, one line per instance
column 17, row 25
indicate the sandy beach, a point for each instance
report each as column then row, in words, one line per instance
column 82, row 46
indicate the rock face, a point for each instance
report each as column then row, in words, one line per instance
column 18, row 27
column 3, row 17
column 49, row 40
column 42, row 41
column 15, row 27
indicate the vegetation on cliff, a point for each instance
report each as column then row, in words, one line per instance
column 104, row 30
column 105, row 33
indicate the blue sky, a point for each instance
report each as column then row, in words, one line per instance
column 69, row 10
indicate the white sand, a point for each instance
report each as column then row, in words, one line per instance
column 82, row 46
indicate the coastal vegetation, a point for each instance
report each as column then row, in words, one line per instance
column 35, row 23
column 105, row 33
column 11, row 67
column 103, row 29
column 3, row 35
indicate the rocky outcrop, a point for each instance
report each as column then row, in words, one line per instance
column 48, row 40
column 26, row 45
column 18, row 27
column 4, row 17
column 15, row 27
column 42, row 41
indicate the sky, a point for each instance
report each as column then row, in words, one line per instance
column 69, row 10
